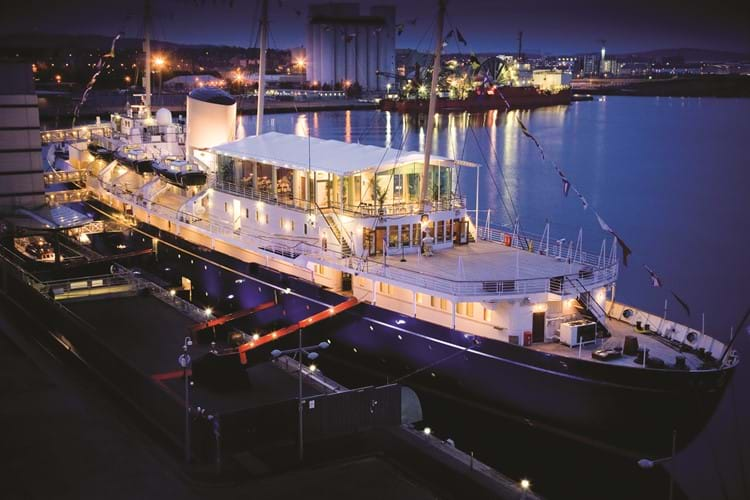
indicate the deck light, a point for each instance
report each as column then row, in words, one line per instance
column 173, row 292
column 276, row 353
column 427, row 431
column 313, row 367
column 525, row 484
column 208, row 311
column 324, row 345
column 312, row 356
column 256, row 336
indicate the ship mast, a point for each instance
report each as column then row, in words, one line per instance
column 433, row 101
column 262, row 66
column 147, row 51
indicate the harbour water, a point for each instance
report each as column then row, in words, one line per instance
column 670, row 176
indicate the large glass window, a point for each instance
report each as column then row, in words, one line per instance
column 405, row 235
column 226, row 168
column 392, row 236
column 264, row 178
column 398, row 186
column 413, row 180
column 439, row 237
column 416, row 234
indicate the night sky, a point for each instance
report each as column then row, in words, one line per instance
column 550, row 26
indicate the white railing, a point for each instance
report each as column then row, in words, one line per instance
column 590, row 277
column 76, row 134
column 534, row 243
column 559, row 285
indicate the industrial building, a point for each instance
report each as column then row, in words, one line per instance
column 344, row 47
column 21, row 181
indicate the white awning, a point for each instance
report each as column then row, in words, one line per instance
column 341, row 158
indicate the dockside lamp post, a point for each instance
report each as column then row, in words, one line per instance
column 184, row 361
column 525, row 486
column 645, row 463
column 309, row 352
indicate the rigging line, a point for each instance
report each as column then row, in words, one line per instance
column 739, row 443
column 493, row 150
column 213, row 262
column 435, row 363
column 255, row 33
column 492, row 177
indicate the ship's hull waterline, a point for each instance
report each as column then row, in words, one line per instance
column 633, row 409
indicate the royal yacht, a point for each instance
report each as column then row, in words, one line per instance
column 520, row 323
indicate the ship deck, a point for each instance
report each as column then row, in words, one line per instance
column 487, row 260
column 619, row 330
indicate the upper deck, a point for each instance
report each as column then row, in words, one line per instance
column 357, row 180
column 498, row 265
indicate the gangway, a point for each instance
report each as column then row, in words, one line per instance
column 221, row 320
column 304, row 323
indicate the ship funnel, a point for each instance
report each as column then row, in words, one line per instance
column 211, row 119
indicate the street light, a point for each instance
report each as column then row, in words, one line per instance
column 184, row 361
column 309, row 352
column 159, row 63
column 525, row 486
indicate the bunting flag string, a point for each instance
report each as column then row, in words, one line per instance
column 682, row 302
column 625, row 248
column 100, row 65
column 655, row 280
column 658, row 283
column 460, row 37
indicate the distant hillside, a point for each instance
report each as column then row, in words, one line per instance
column 51, row 41
column 689, row 55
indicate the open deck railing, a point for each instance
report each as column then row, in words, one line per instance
column 559, row 285
column 592, row 275
column 76, row 134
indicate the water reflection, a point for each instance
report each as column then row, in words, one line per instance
column 659, row 170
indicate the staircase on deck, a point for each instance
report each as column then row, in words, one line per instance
column 332, row 220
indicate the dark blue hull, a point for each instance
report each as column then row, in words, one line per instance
column 628, row 408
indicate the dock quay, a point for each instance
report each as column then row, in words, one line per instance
column 123, row 326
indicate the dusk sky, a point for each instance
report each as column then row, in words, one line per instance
column 550, row 26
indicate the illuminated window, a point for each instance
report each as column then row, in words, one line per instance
column 320, row 270
column 433, row 301
column 470, row 309
column 385, row 288
column 405, row 235
column 487, row 314
column 444, row 304
column 393, row 236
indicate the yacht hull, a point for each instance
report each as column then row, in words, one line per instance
column 632, row 409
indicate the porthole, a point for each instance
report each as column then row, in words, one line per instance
column 627, row 313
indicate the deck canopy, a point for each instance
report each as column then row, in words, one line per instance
column 340, row 158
